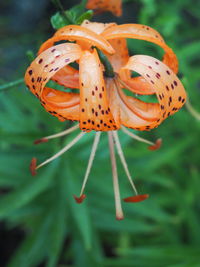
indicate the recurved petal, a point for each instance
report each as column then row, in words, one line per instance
column 67, row 77
column 120, row 57
column 96, row 27
column 168, row 88
column 113, row 6
column 142, row 32
column 137, row 85
column 48, row 63
column 94, row 107
column 124, row 113
column 63, row 105
column 78, row 33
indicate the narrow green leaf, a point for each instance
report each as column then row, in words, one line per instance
column 87, row 15
column 27, row 192
column 32, row 250
column 79, row 212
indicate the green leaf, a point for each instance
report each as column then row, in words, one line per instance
column 87, row 15
column 59, row 229
column 33, row 248
column 80, row 213
column 58, row 21
column 27, row 192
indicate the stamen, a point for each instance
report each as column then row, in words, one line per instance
column 136, row 137
column 65, row 132
column 123, row 160
column 119, row 212
column 157, row 145
column 137, row 198
column 63, row 150
column 92, row 155
column 80, row 199
column 33, row 165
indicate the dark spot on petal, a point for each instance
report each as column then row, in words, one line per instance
column 30, row 72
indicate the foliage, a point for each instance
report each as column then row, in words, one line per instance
column 162, row 231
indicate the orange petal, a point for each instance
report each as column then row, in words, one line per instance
column 44, row 67
column 63, row 105
column 94, row 109
column 78, row 33
column 169, row 89
column 123, row 112
column 138, row 85
column 142, row 32
column 96, row 27
column 113, row 6
column 67, row 77
column 113, row 99
column 137, row 198
column 120, row 57
column 146, row 111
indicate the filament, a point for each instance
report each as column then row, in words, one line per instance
column 123, row 160
column 136, row 137
column 91, row 159
column 65, row 132
column 119, row 212
column 63, row 150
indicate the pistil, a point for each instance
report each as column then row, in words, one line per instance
column 119, row 212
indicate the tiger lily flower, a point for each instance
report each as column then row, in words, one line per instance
column 114, row 6
column 102, row 104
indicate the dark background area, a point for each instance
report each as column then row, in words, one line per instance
column 40, row 223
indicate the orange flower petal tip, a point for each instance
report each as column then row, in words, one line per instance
column 42, row 140
column 137, row 198
column 157, row 145
column 80, row 199
column 33, row 166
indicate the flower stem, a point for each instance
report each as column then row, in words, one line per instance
column 11, row 84
column 68, row 19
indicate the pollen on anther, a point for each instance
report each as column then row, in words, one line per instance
column 80, row 199
column 33, row 166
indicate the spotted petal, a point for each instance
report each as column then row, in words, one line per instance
column 63, row 105
column 78, row 33
column 169, row 89
column 43, row 68
column 113, row 6
column 94, row 109
column 129, row 112
column 67, row 77
column 142, row 32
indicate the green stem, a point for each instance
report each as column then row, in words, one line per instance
column 65, row 15
column 11, row 84
column 109, row 72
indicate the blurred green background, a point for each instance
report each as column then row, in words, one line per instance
column 41, row 225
